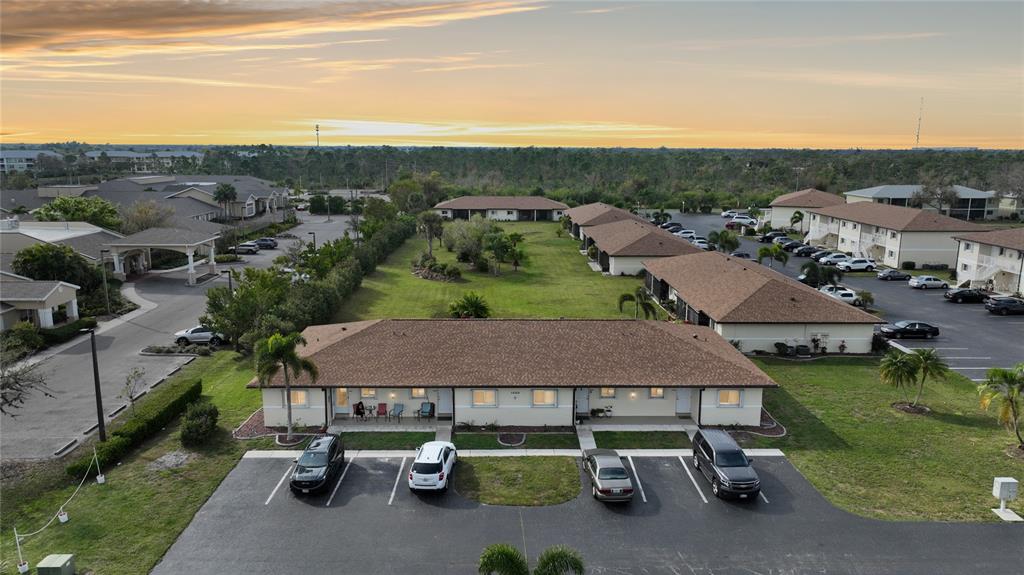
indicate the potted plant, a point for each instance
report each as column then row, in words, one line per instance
column 842, row 346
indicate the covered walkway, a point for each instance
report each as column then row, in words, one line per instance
column 134, row 252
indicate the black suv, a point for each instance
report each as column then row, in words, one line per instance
column 969, row 295
column 318, row 464
column 768, row 237
column 1005, row 305
column 266, row 243
column 724, row 464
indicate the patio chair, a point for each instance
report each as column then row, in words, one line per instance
column 426, row 410
column 382, row 411
column 397, row 411
column 359, row 411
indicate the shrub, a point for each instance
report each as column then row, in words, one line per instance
column 480, row 264
column 109, row 453
column 878, row 343
column 908, row 265
column 198, row 423
column 24, row 335
column 452, row 272
column 952, row 275
column 226, row 258
column 66, row 332
column 748, row 231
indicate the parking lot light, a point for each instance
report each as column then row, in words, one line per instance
column 96, row 383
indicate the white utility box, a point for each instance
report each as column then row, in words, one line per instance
column 1004, row 488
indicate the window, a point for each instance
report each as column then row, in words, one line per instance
column 608, row 392
column 485, row 398
column 1002, row 251
column 509, row 213
column 844, row 223
column 299, row 397
column 545, row 398
column 892, row 235
column 657, row 393
column 418, row 393
column 967, row 246
column 728, row 398
column 341, row 397
column 842, row 240
column 368, row 392
column 891, row 253
column 854, row 226
column 963, row 267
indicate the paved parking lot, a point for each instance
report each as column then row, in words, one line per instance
column 971, row 339
column 370, row 523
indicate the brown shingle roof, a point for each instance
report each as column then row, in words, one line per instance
column 1012, row 238
column 729, row 290
column 597, row 213
column 809, row 198
column 897, row 218
column 633, row 238
column 523, row 353
column 501, row 203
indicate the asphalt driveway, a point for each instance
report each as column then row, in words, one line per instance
column 373, row 524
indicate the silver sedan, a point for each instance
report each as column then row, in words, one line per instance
column 608, row 476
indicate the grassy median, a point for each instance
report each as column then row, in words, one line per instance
column 530, row 481
column 873, row 460
column 642, row 439
column 385, row 439
column 533, row 441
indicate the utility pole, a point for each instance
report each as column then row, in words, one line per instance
column 920, row 114
column 96, row 384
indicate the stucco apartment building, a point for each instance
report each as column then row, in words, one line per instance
column 22, row 160
column 624, row 246
column 889, row 234
column 502, row 208
column 780, row 212
column 589, row 215
column 992, row 260
column 37, row 302
column 971, row 204
column 756, row 306
column 522, row 372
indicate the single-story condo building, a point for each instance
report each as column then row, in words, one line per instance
column 891, row 235
column 779, row 214
column 992, row 260
column 623, row 246
column 755, row 306
column 521, row 372
column 502, row 208
column 588, row 215
column 37, row 302
column 971, row 204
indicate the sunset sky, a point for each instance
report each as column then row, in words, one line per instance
column 678, row 74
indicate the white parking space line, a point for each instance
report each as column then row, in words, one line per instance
column 686, row 468
column 959, row 367
column 340, row 479
column 964, row 357
column 278, row 486
column 398, row 477
column 637, row 477
column 761, row 493
column 939, row 348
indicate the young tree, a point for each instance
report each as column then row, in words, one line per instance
column 20, row 379
column 431, row 225
column 559, row 560
column 898, row 370
column 54, row 262
column 867, row 299
column 91, row 209
column 724, row 240
column 765, row 253
column 927, row 364
column 470, row 305
column 224, row 194
column 132, row 383
column 780, row 255
column 498, row 244
column 277, row 353
column 1005, row 388
column 515, row 238
column 797, row 218
column 257, row 294
column 518, row 257
column 641, row 302
column 502, row 559
column 144, row 215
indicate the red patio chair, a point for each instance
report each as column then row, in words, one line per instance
column 382, row 411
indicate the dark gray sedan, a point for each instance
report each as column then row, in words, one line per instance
column 608, row 475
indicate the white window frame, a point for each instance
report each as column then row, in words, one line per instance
column 533, row 397
column 414, row 395
column 603, row 395
column 367, row 393
column 651, row 395
column 304, row 403
column 739, row 399
column 472, row 397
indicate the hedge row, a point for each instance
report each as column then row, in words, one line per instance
column 66, row 332
column 151, row 415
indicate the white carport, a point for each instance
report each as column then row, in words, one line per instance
column 137, row 249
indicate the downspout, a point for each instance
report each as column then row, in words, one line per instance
column 327, row 407
column 574, row 408
column 700, row 404
column 1020, row 274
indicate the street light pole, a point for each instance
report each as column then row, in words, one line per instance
column 103, row 270
column 314, row 238
column 96, row 383
column 231, row 288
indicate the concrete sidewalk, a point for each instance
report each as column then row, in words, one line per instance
column 386, row 454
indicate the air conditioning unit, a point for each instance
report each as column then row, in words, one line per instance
column 62, row 564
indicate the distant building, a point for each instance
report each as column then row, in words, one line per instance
column 143, row 162
column 779, row 214
column 595, row 214
column 992, row 259
column 971, row 204
column 86, row 239
column 254, row 196
column 37, row 302
column 22, row 160
column 624, row 246
column 502, row 208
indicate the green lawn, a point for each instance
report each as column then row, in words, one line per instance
column 126, row 525
column 870, row 459
column 386, row 440
column 642, row 439
column 518, row 480
column 555, row 282
column 533, row 441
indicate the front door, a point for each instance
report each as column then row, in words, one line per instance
column 444, row 402
column 683, row 401
column 582, row 400
column 341, row 405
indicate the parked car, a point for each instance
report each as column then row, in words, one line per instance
column 833, row 259
column 266, row 243
column 296, row 275
column 805, row 251
column 844, row 294
column 609, row 479
column 857, row 265
column 740, row 255
column 792, row 245
column 802, row 278
column 198, row 334
column 672, row 226
column 245, row 248
column 318, row 465
column 966, row 295
column 781, row 240
column 925, row 282
column 302, row 207
column 765, row 238
column 432, row 468
column 905, row 328
column 732, row 213
column 698, row 239
column 816, row 256
column 1005, row 305
column 703, row 244
column 724, row 464
column 736, row 222
column 892, row 274
column 685, row 234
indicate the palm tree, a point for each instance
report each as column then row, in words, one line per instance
column 515, row 238
column 928, row 363
column 780, row 255
column 898, row 370
column 661, row 216
column 277, row 353
column 812, row 274
column 1006, row 388
column 797, row 218
column 518, row 256
column 431, row 225
column 765, row 252
column 470, row 305
column 774, row 253
column 724, row 240
column 559, row 560
column 224, row 194
column 504, row 559
column 641, row 302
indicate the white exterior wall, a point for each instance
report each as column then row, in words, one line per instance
column 927, row 248
column 275, row 414
column 503, row 215
column 748, row 413
column 626, row 265
column 638, row 401
column 778, row 218
column 978, row 263
column 514, row 407
column 762, row 336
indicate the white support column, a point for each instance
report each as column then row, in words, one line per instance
column 45, row 317
column 213, row 258
column 73, row 309
column 191, row 267
column 118, row 266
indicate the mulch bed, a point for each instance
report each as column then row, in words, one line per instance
column 769, row 427
column 255, row 427
column 512, row 439
column 517, row 429
column 911, row 409
column 1015, row 452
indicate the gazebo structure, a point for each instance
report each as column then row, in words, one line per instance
column 134, row 252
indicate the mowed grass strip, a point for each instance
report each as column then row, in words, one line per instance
column 873, row 460
column 385, row 439
column 533, row 441
column 126, row 525
column 642, row 439
column 555, row 282
column 530, row 481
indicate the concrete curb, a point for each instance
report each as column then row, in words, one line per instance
column 384, row 454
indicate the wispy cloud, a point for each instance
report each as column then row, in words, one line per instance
column 345, row 128
column 993, row 79
column 710, row 44
column 338, row 69
column 604, row 10
column 465, row 67
column 115, row 77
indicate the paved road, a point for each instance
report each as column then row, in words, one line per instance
column 972, row 340
column 374, row 524
column 45, row 425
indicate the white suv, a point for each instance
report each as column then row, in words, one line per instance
column 857, row 265
column 925, row 282
column 833, row 259
column 685, row 234
column 744, row 221
column 432, row 468
column 842, row 294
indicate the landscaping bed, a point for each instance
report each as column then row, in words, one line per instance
column 464, row 440
column 530, row 481
column 642, row 439
column 379, row 440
